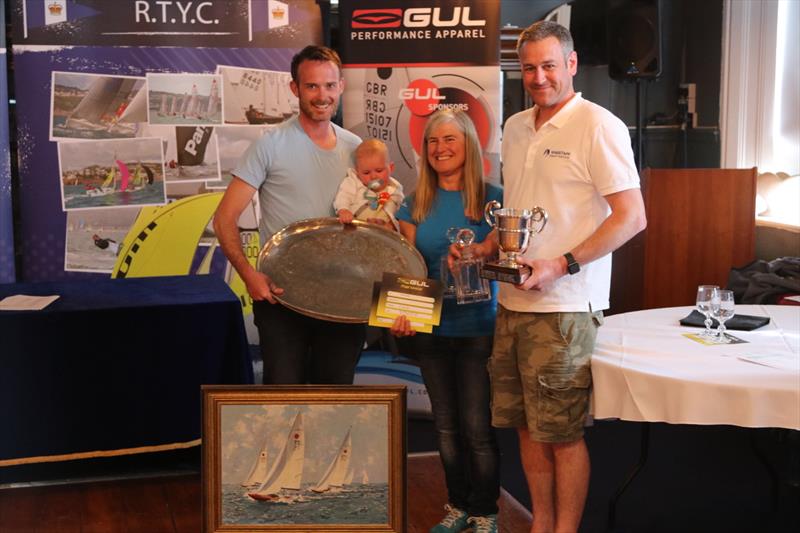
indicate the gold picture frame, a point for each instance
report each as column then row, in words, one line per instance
column 290, row 458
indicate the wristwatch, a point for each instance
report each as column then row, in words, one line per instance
column 572, row 266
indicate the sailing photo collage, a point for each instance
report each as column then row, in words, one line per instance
column 125, row 143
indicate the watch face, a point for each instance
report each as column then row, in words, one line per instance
column 572, row 266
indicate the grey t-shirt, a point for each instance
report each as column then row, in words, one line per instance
column 295, row 178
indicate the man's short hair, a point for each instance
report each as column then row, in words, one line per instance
column 315, row 53
column 544, row 29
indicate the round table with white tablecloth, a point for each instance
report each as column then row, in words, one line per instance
column 645, row 369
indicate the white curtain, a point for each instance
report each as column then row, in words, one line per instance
column 760, row 106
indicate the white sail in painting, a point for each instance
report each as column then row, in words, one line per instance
column 339, row 469
column 99, row 99
column 192, row 107
column 287, row 471
column 364, row 478
column 282, row 90
column 100, row 104
column 136, row 110
column 258, row 473
column 213, row 100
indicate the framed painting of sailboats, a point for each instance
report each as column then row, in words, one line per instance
column 304, row 458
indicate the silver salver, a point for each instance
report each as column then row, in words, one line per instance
column 327, row 269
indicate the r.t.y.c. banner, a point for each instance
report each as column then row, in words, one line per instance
column 130, row 116
column 404, row 59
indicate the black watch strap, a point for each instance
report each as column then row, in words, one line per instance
column 572, row 266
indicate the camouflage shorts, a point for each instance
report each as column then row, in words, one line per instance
column 541, row 372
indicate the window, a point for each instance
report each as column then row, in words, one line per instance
column 760, row 106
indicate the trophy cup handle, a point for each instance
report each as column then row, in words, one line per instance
column 488, row 212
column 539, row 215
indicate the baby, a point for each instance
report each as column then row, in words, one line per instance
column 369, row 192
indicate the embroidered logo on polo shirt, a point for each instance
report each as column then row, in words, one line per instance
column 561, row 154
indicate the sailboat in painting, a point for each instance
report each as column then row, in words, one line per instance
column 282, row 483
column 339, row 472
column 258, row 472
column 192, row 143
column 103, row 103
column 108, row 186
column 257, row 97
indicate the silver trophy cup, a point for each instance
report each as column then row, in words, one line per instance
column 514, row 230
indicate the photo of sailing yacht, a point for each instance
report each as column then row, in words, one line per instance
column 111, row 173
column 299, row 459
column 95, row 106
column 184, row 99
column 256, row 97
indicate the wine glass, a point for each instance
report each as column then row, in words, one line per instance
column 704, row 294
column 722, row 308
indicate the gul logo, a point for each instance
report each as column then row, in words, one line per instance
column 561, row 154
column 413, row 282
column 377, row 18
column 414, row 17
column 421, row 96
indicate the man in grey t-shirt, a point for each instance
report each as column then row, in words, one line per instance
column 296, row 169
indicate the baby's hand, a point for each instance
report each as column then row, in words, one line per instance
column 381, row 222
column 345, row 216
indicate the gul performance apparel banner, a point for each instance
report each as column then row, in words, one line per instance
column 130, row 116
column 406, row 59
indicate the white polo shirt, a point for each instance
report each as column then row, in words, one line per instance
column 566, row 167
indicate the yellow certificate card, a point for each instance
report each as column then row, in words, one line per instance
column 387, row 321
column 417, row 298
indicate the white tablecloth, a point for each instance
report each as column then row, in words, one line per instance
column 645, row 370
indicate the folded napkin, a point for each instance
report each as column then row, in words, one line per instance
column 740, row 322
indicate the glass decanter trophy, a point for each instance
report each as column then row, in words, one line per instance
column 469, row 285
column 514, row 229
column 446, row 276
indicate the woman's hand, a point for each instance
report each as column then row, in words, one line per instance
column 402, row 327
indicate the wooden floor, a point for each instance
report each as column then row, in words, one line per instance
column 156, row 505
column 172, row 504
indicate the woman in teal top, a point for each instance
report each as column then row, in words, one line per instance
column 451, row 193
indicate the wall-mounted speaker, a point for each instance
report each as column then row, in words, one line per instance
column 634, row 39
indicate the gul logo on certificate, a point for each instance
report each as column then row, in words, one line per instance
column 417, row 298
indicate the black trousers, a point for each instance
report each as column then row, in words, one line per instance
column 297, row 349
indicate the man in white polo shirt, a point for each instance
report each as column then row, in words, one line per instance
column 574, row 159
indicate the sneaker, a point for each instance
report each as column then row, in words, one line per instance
column 454, row 521
column 483, row 524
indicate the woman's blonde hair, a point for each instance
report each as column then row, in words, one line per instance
column 474, row 189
